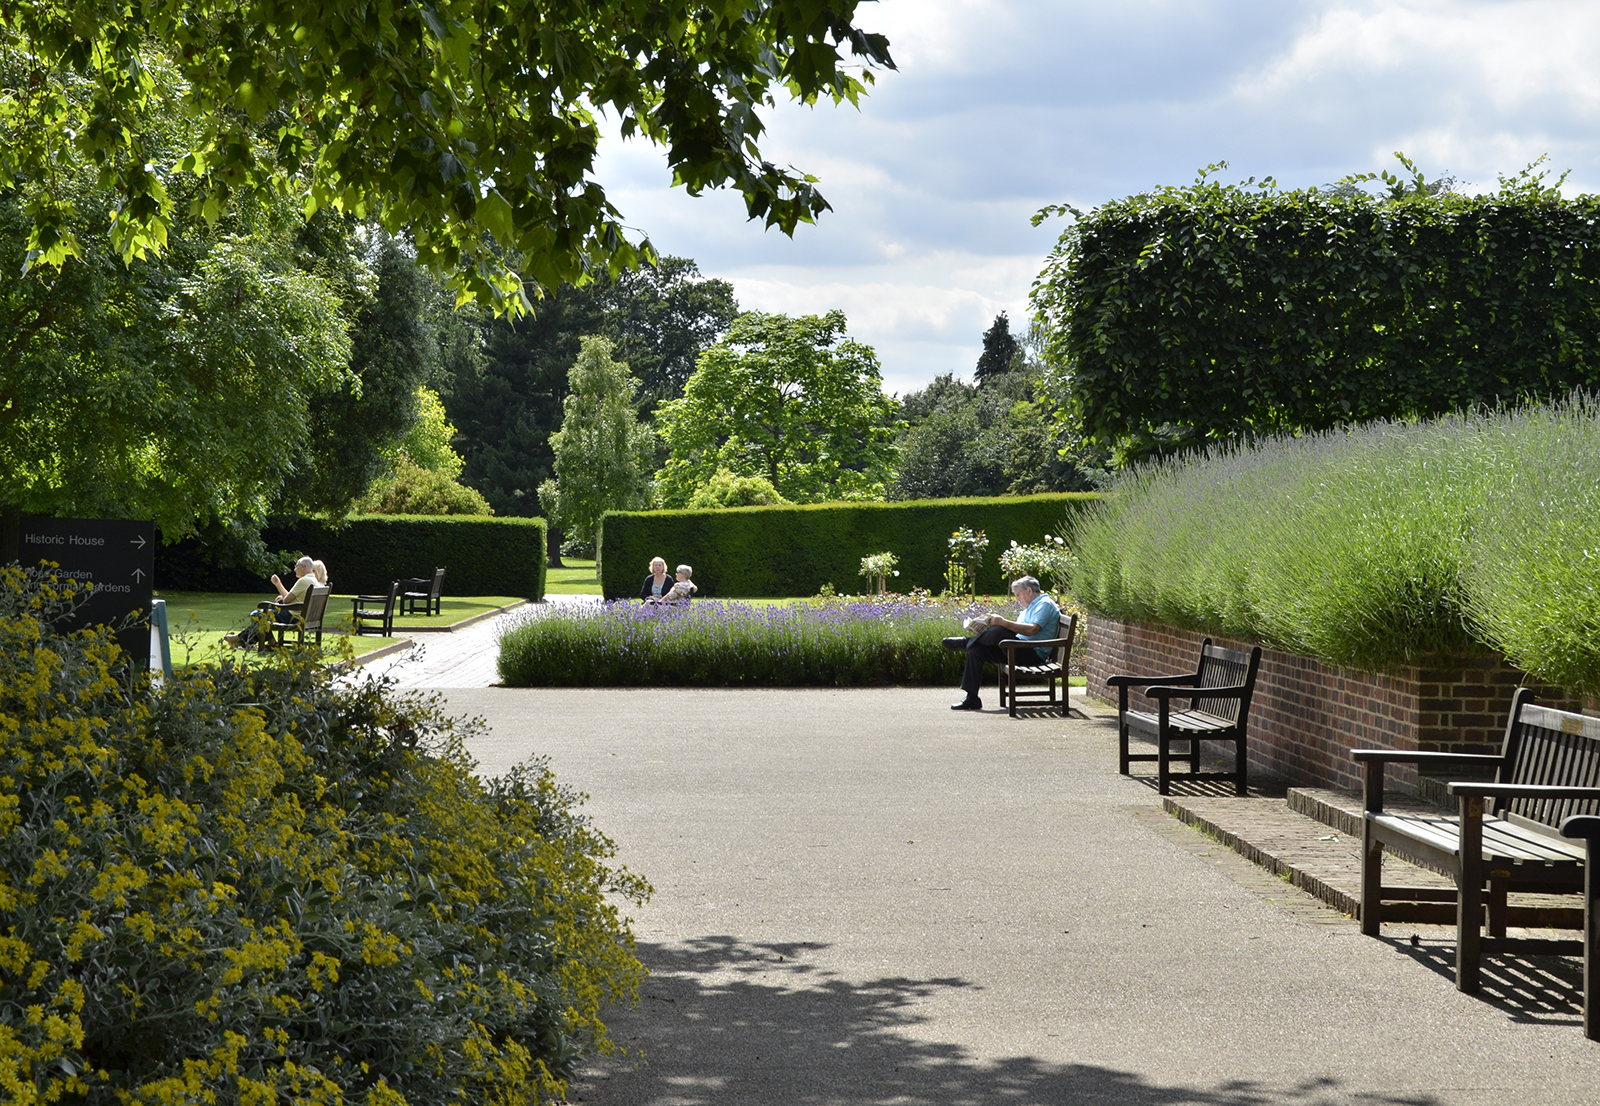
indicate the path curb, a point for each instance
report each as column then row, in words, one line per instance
column 465, row 622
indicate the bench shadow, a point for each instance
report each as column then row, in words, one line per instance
column 1535, row 990
column 726, row 1022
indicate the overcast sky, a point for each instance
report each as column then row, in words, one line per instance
column 1001, row 107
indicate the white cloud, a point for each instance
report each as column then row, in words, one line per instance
column 1002, row 106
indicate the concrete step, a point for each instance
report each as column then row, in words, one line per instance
column 1317, row 856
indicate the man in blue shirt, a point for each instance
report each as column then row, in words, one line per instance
column 1040, row 620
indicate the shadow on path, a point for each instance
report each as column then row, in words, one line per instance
column 1535, row 990
column 725, row 1022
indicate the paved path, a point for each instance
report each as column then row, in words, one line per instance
column 465, row 658
column 864, row 899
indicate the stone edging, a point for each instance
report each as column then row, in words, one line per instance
column 465, row 622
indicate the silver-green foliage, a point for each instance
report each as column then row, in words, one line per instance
column 1372, row 546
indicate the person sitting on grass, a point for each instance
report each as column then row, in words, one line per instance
column 683, row 590
column 656, row 584
column 1040, row 620
column 288, row 599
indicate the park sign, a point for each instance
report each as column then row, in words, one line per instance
column 116, row 555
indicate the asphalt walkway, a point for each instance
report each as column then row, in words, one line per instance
column 864, row 899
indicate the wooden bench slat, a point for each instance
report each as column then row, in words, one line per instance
column 1502, row 840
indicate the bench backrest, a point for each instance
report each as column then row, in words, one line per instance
column 438, row 583
column 1062, row 654
column 316, row 607
column 1550, row 748
column 1221, row 667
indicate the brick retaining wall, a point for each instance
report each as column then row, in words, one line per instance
column 1308, row 715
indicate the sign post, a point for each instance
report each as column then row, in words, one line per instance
column 118, row 556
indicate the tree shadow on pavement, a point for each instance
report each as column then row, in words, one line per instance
column 728, row 1023
column 1535, row 990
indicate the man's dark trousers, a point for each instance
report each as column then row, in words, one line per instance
column 981, row 650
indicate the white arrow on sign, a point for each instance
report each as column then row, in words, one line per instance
column 138, row 574
column 137, row 541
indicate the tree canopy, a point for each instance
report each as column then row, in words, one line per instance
column 474, row 126
column 790, row 399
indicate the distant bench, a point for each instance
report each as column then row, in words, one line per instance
column 1524, row 832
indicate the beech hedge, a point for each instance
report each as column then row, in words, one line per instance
column 484, row 556
column 757, row 552
column 1186, row 316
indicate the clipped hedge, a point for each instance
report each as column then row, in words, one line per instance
column 753, row 552
column 485, row 556
column 1208, row 312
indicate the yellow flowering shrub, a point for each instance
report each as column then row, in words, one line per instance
column 254, row 886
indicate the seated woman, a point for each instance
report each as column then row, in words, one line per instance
column 656, row 584
column 683, row 590
column 288, row 598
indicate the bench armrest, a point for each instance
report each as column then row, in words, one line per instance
column 1189, row 678
column 1400, row 756
column 1013, row 643
column 1581, row 825
column 1190, row 692
column 1522, row 791
column 360, row 599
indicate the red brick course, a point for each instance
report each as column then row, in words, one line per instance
column 1308, row 715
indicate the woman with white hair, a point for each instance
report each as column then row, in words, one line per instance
column 295, row 596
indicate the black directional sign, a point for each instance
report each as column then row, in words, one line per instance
column 118, row 556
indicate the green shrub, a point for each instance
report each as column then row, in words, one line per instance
column 840, row 643
column 1369, row 547
column 413, row 489
column 256, row 885
column 485, row 556
column 794, row 550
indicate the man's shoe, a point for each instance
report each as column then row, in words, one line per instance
column 971, row 702
column 959, row 644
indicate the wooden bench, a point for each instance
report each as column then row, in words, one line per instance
column 423, row 593
column 1033, row 668
column 1218, row 691
column 307, row 620
column 1506, row 836
column 371, row 618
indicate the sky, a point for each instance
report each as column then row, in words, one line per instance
column 998, row 108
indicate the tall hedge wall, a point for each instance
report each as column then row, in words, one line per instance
column 1213, row 312
column 484, row 556
column 754, row 552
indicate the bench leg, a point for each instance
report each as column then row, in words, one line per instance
column 1469, row 896
column 1591, row 945
column 1497, row 904
column 1371, row 882
column 1122, row 729
column 1194, row 756
column 1163, row 762
column 1241, row 784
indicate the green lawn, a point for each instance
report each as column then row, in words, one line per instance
column 578, row 578
column 199, row 620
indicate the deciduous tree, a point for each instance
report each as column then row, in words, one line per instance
column 471, row 124
column 790, row 399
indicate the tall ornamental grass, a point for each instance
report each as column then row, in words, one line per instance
column 1372, row 546
column 728, row 644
